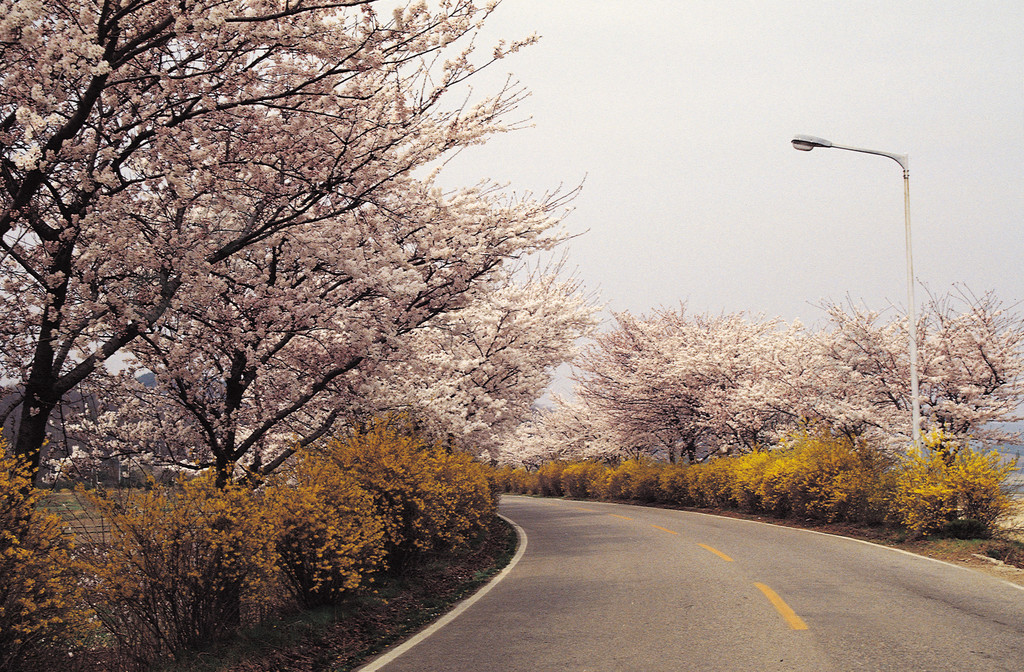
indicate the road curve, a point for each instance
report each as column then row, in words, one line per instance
column 622, row 588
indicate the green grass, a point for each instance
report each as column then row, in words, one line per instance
column 60, row 501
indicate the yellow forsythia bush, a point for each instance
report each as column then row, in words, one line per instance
column 462, row 500
column 329, row 537
column 583, row 479
column 40, row 608
column 710, row 484
column 428, row 498
column 813, row 473
column 633, row 479
column 549, row 476
column 748, row 477
column 950, row 482
column 501, row 479
column 530, row 481
column 524, row 482
column 614, row 484
column 518, row 481
column 178, row 565
column 823, row 476
column 674, row 485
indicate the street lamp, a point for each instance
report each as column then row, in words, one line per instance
column 806, row 143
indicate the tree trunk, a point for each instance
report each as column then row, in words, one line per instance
column 38, row 402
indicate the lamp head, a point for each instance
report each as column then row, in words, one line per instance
column 806, row 143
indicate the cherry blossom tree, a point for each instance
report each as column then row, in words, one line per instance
column 705, row 384
column 858, row 379
column 569, row 430
column 699, row 384
column 971, row 362
column 177, row 170
column 473, row 375
column 465, row 355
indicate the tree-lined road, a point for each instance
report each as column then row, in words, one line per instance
column 616, row 587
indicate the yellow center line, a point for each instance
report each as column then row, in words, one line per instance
column 788, row 615
column 664, row 529
column 582, row 508
column 717, row 552
column 618, row 516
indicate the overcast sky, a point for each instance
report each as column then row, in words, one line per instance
column 677, row 116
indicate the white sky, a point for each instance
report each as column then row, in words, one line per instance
column 679, row 114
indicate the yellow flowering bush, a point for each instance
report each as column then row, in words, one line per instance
column 819, row 475
column 950, row 482
column 674, row 485
column 549, row 476
column 748, row 477
column 583, row 479
column 812, row 473
column 522, row 481
column 179, row 564
column 923, row 500
column 40, row 605
column 329, row 537
column 711, row 483
column 978, row 479
column 463, row 501
column 519, row 480
column 501, row 479
column 614, row 484
column 428, row 498
column 633, row 479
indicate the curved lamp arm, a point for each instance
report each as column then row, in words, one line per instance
column 806, row 143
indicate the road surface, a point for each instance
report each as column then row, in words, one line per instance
column 624, row 588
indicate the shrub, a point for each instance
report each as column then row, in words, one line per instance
column 522, row 482
column 923, row 500
column 329, row 537
column 550, row 478
column 640, row 479
column 428, row 499
column 462, row 503
column 828, row 477
column 39, row 597
column 748, row 477
column 773, row 491
column 501, row 479
column 950, row 482
column 965, row 528
column 711, row 483
column 583, row 479
column 180, row 562
column 979, row 482
column 614, row 484
column 647, row 485
column 632, row 479
column 674, row 485
column 813, row 473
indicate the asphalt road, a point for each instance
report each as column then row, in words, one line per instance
column 624, row 588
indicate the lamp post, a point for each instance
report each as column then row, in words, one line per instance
column 806, row 143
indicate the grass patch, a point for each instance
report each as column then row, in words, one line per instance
column 61, row 501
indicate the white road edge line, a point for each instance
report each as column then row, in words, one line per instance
column 402, row 648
